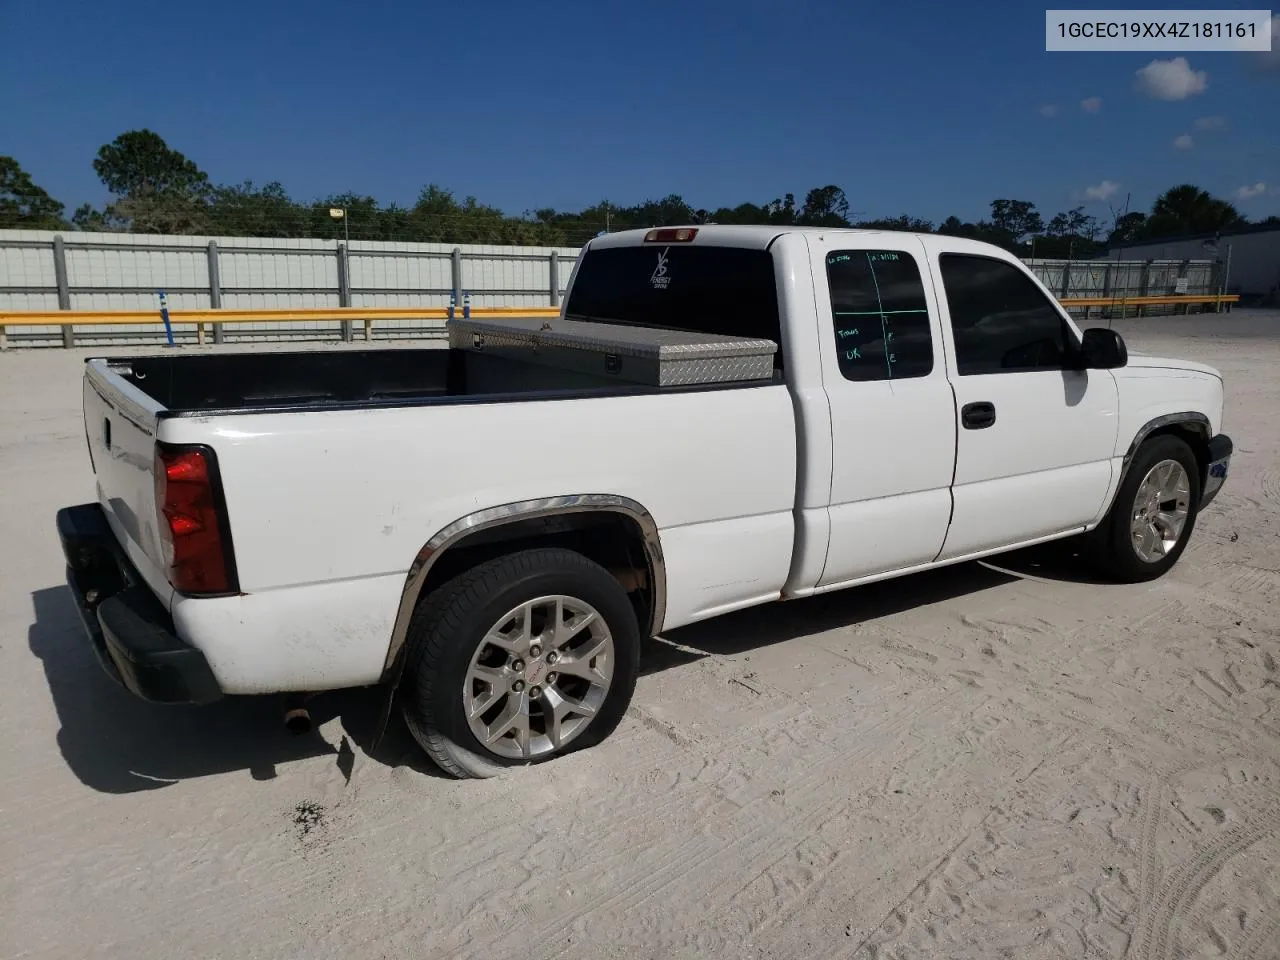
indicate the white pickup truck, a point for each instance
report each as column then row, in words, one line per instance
column 720, row 417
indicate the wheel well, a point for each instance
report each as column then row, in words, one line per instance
column 1196, row 435
column 613, row 540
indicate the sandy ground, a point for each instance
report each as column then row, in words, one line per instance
column 996, row 760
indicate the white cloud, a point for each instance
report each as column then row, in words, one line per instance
column 1210, row 123
column 1048, row 110
column 1104, row 190
column 1184, row 142
column 1250, row 191
column 1171, row 79
column 1091, row 104
column 1270, row 61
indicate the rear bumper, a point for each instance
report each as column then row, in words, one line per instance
column 1220, row 450
column 130, row 630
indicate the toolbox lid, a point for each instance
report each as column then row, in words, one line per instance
column 626, row 340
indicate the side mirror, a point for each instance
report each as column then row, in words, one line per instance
column 1102, row 349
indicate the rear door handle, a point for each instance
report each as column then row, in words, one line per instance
column 978, row 416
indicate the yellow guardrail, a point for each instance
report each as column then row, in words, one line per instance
column 368, row 315
column 19, row 318
column 205, row 318
column 1172, row 300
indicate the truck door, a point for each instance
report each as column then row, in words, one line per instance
column 893, row 428
column 1035, row 439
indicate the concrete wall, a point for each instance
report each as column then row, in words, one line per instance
column 106, row 271
column 1255, row 260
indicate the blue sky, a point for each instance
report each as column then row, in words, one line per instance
column 929, row 109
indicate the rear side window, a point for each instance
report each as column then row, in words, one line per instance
column 881, row 316
column 727, row 291
column 1002, row 322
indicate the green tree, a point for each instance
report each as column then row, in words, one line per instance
column 825, row 207
column 1072, row 233
column 88, row 218
column 1016, row 218
column 781, row 211
column 156, row 188
column 23, row 204
column 1073, row 223
column 167, row 213
column 1188, row 209
column 244, row 210
column 671, row 210
column 364, row 218
column 437, row 217
column 984, row 230
column 904, row 222
column 139, row 162
column 1128, row 228
column 743, row 213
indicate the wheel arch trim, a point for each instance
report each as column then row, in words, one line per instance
column 491, row 517
column 1192, row 418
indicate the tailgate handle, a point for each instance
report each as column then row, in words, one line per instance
column 106, row 432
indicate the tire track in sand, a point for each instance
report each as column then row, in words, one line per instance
column 1263, row 943
column 1269, row 482
column 754, row 831
column 1185, row 883
column 894, row 920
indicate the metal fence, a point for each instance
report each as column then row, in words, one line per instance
column 45, row 271
column 41, row 270
column 1073, row 279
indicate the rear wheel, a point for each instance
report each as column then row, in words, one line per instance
column 1154, row 512
column 521, row 659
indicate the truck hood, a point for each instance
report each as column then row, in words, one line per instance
column 1144, row 361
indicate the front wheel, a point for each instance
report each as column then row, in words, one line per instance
column 523, row 658
column 1154, row 512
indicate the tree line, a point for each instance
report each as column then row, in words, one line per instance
column 155, row 189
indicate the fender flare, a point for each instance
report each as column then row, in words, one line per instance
column 1190, row 417
column 508, row 513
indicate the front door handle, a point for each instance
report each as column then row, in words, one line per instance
column 977, row 416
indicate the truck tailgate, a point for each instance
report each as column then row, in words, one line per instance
column 120, row 426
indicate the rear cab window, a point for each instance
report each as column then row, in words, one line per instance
column 726, row 291
column 880, row 315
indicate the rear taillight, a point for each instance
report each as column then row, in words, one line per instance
column 193, row 521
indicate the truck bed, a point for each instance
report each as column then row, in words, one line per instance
column 204, row 384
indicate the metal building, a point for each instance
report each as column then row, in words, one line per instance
column 1250, row 259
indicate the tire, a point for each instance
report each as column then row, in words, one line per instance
column 467, row 647
column 1117, row 549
